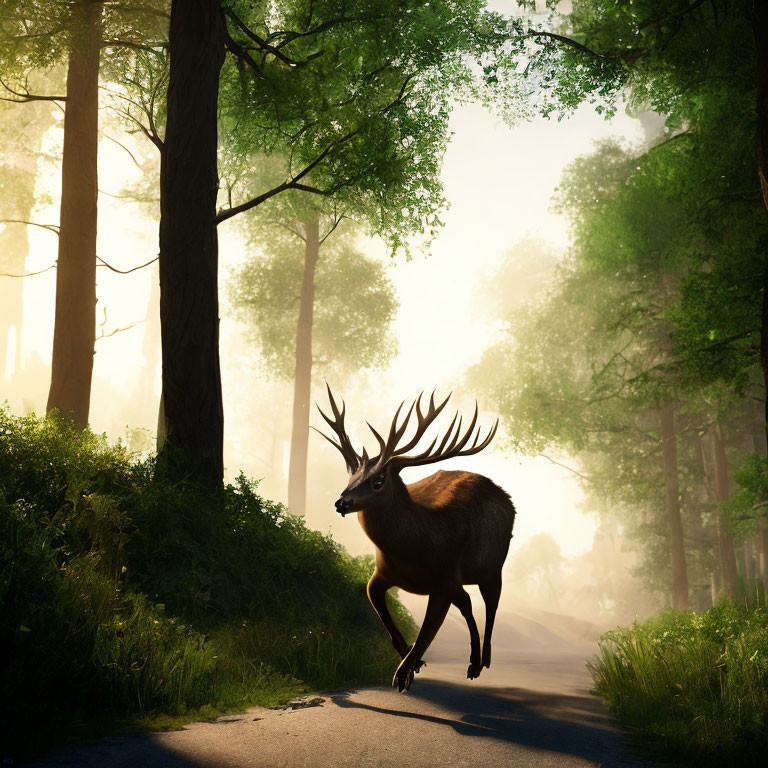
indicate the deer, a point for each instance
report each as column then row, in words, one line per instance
column 431, row 537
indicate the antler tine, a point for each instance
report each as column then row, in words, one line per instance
column 379, row 438
column 464, row 440
column 395, row 433
column 329, row 439
column 453, row 443
column 423, row 421
column 337, row 425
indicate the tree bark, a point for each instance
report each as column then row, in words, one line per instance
column 75, row 319
column 759, row 14
column 302, row 382
column 722, row 491
column 679, row 591
column 189, row 307
column 762, row 523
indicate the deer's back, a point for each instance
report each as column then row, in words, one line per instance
column 476, row 510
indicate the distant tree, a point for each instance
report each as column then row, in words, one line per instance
column 704, row 65
column 81, row 34
column 538, row 565
column 312, row 304
column 21, row 138
column 595, row 368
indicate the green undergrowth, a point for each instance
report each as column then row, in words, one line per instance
column 128, row 600
column 693, row 687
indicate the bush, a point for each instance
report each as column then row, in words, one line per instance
column 694, row 686
column 125, row 597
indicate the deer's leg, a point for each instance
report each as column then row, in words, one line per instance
column 491, row 591
column 437, row 608
column 377, row 594
column 461, row 599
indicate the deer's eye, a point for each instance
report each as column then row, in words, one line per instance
column 378, row 482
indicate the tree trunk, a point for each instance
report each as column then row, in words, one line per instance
column 189, row 306
column 302, row 383
column 74, row 331
column 748, row 570
column 679, row 591
column 722, row 492
column 759, row 12
column 32, row 123
column 14, row 249
column 762, row 523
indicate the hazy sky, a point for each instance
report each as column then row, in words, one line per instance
column 498, row 180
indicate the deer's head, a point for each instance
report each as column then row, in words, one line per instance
column 374, row 482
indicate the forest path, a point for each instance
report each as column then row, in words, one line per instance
column 531, row 708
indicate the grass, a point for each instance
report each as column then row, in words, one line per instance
column 693, row 687
column 126, row 602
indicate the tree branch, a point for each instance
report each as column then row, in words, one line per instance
column 336, row 223
column 125, row 271
column 128, row 151
column 50, row 227
column 28, row 274
column 264, row 45
column 565, row 466
column 292, row 183
column 147, row 47
column 25, row 96
column 569, row 41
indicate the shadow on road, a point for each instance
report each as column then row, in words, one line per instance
column 572, row 725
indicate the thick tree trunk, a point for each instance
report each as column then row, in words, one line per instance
column 74, row 331
column 189, row 306
column 302, row 382
column 679, row 590
column 724, row 537
column 759, row 12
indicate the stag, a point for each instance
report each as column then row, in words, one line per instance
column 433, row 536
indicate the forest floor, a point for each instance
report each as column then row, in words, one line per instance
column 531, row 708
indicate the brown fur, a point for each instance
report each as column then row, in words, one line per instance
column 431, row 537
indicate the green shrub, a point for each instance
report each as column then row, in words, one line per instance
column 124, row 597
column 693, row 685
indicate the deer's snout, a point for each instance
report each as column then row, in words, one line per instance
column 343, row 506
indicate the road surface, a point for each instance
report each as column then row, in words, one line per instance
column 531, row 708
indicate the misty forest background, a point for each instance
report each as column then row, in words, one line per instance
column 309, row 136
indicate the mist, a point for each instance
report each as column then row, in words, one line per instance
column 452, row 304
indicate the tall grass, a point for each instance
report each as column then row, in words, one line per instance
column 123, row 597
column 693, row 686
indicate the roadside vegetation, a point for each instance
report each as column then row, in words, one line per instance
column 693, row 687
column 128, row 600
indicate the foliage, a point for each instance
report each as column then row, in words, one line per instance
column 122, row 597
column 585, row 366
column 358, row 99
column 693, row 686
column 354, row 306
column 749, row 501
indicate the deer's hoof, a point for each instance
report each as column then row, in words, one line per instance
column 474, row 671
column 419, row 664
column 403, row 679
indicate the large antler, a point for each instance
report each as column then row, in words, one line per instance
column 453, row 443
column 344, row 445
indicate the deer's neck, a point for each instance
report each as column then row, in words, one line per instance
column 392, row 523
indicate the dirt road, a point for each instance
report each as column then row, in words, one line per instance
column 532, row 708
